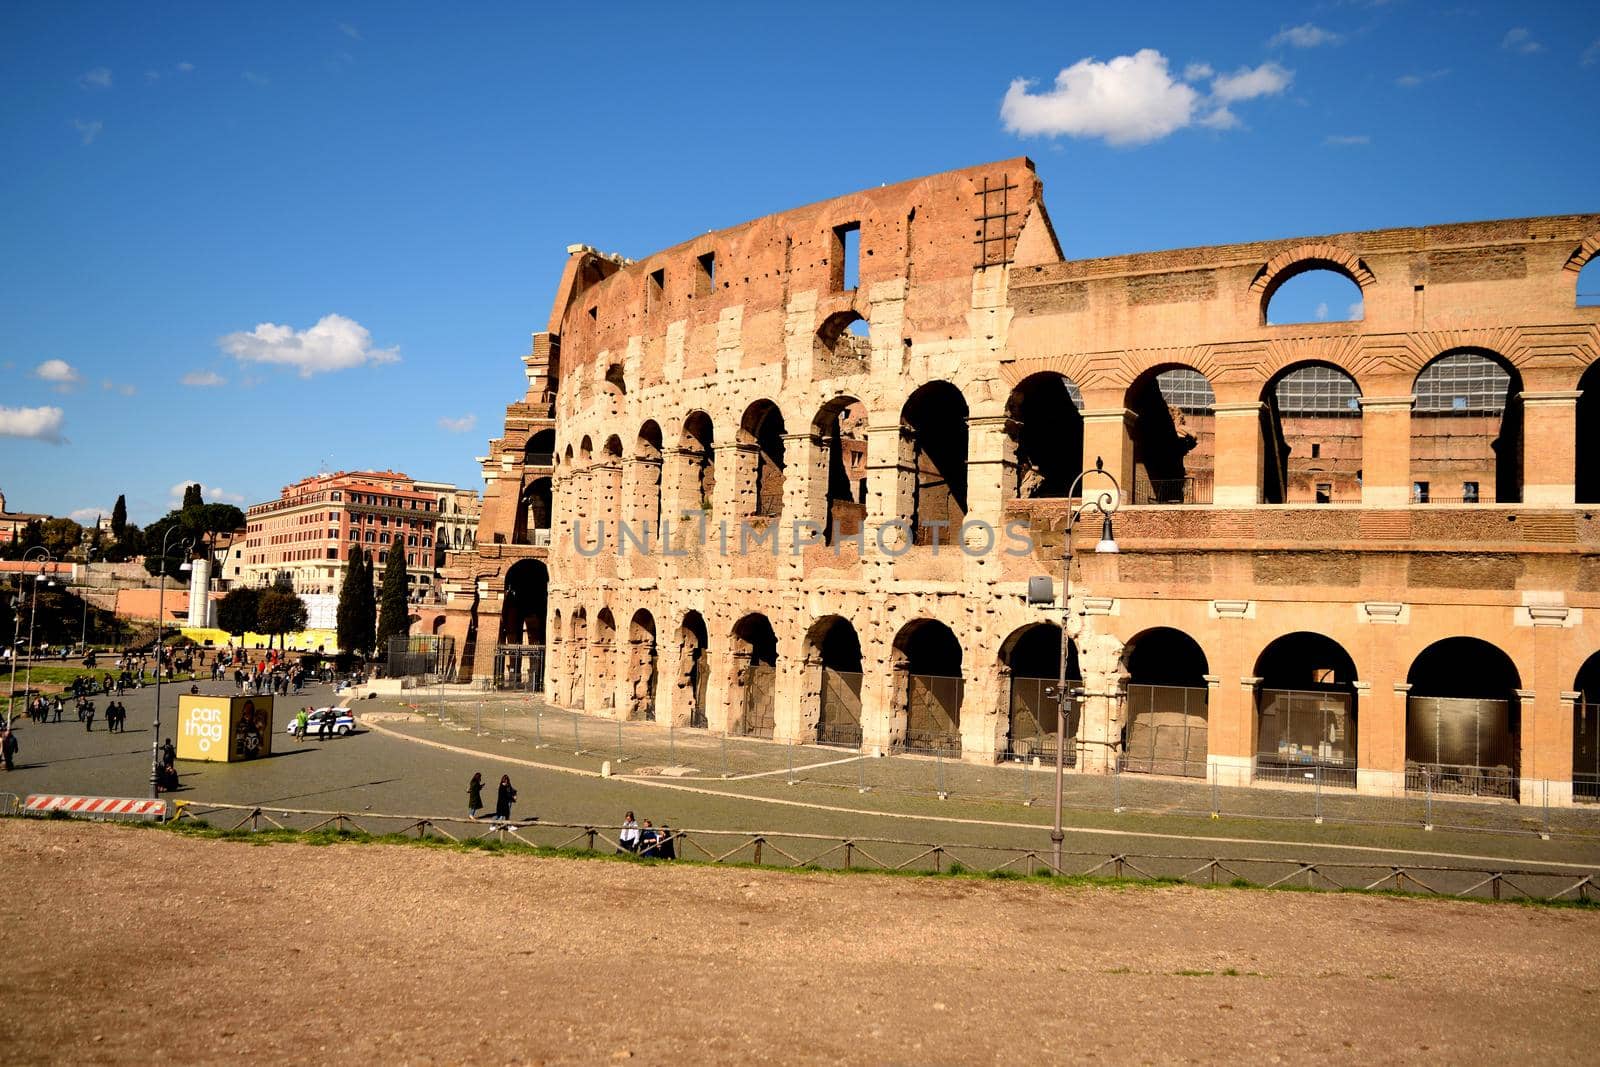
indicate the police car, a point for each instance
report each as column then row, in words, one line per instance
column 344, row 723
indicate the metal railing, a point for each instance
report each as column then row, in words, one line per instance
column 798, row 850
column 1189, row 490
column 1452, row 779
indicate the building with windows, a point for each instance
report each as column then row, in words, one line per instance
column 304, row 538
column 1368, row 548
column 12, row 523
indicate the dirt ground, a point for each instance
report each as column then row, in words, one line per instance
column 124, row 945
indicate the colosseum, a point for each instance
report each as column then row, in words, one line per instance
column 792, row 479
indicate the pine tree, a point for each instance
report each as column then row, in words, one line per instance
column 393, row 616
column 119, row 517
column 350, row 609
column 191, row 496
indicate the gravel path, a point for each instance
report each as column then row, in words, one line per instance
column 126, row 945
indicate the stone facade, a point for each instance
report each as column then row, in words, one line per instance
column 922, row 354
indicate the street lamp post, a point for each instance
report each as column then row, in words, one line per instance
column 161, row 628
column 1106, row 504
column 45, row 559
column 83, row 636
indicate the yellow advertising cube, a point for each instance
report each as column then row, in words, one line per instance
column 224, row 729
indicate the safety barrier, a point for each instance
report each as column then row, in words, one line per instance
column 100, row 807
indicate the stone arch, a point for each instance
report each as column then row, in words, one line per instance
column 1174, row 439
column 838, row 465
column 694, row 667
column 1311, row 435
column 1168, row 698
column 928, row 687
column 1306, row 710
column 540, row 449
column 698, row 471
column 761, row 460
column 1301, row 258
column 616, row 380
column 522, row 618
column 642, row 666
column 834, row 674
column 647, row 458
column 1030, row 667
column 1586, row 732
column 1586, row 472
column 1466, row 429
column 1463, row 719
column 753, row 675
column 1044, row 431
column 577, row 657
column 535, row 513
column 843, row 345
column 931, row 482
column 603, row 659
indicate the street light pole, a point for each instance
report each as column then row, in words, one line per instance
column 161, row 629
column 83, row 637
column 1105, row 503
column 33, row 614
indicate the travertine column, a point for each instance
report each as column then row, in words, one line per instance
column 1386, row 450
column 1238, row 455
column 1108, row 435
column 1549, row 446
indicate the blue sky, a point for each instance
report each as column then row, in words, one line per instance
column 349, row 218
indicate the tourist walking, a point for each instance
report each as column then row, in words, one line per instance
column 475, row 796
column 506, row 797
column 8, row 748
column 300, row 721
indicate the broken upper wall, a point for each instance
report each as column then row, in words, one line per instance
column 1464, row 277
column 733, row 288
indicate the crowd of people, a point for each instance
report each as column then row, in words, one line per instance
column 646, row 840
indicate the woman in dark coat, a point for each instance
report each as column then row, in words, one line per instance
column 503, row 801
column 475, row 796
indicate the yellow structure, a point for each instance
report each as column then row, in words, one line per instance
column 224, row 729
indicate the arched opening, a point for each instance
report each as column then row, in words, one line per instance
column 1311, row 437
column 540, row 451
column 761, row 460
column 693, row 667
column 1044, row 422
column 1463, row 720
column 535, row 514
column 647, row 480
column 753, row 692
column 1031, row 656
column 1306, row 711
column 840, row 434
column 578, row 658
column 1316, row 293
column 1586, row 476
column 928, row 687
column 605, row 647
column 931, row 486
column 834, row 650
column 697, row 447
column 1174, row 446
column 616, row 381
column 642, row 666
column 527, row 593
column 1588, row 294
column 1586, row 732
column 1167, row 697
column 843, row 346
column 1466, row 431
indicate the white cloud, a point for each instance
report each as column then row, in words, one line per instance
column 256, row 79
column 1346, row 140
column 185, row 68
column 212, row 494
column 39, row 424
column 86, row 516
column 1247, row 83
column 1304, row 36
column 1220, row 119
column 88, row 131
column 117, row 387
column 349, row 31
column 1197, row 72
column 98, row 78
column 1520, row 40
column 334, row 343
column 1591, row 55
column 60, row 374
column 203, row 378
column 1356, row 312
column 1322, row 311
column 1126, row 100
column 1411, row 81
column 461, row 425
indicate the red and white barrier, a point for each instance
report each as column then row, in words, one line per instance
column 126, row 807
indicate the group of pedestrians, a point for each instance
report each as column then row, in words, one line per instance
column 505, row 797
column 646, row 840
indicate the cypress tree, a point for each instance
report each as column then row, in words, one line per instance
column 349, row 616
column 393, row 616
column 191, row 496
column 119, row 516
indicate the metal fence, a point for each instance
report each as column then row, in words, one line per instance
column 1298, row 729
column 1167, row 730
column 421, row 654
column 519, row 667
column 791, row 849
column 1190, row 490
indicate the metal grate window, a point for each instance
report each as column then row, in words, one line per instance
column 1318, row 391
column 1187, row 389
column 1463, row 382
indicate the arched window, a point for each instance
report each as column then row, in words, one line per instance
column 1463, row 720
column 539, row 452
column 699, row 471
column 1589, row 284
column 1167, row 704
column 694, row 667
column 1311, row 433
column 1586, row 476
column 1320, row 294
column 834, row 651
column 928, row 686
column 1031, row 657
column 753, row 687
column 1174, row 444
column 1044, row 424
column 1466, row 430
column 932, row 482
column 1306, row 711
column 839, row 501
column 843, row 346
column 646, row 508
column 641, row 667
column 761, row 460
